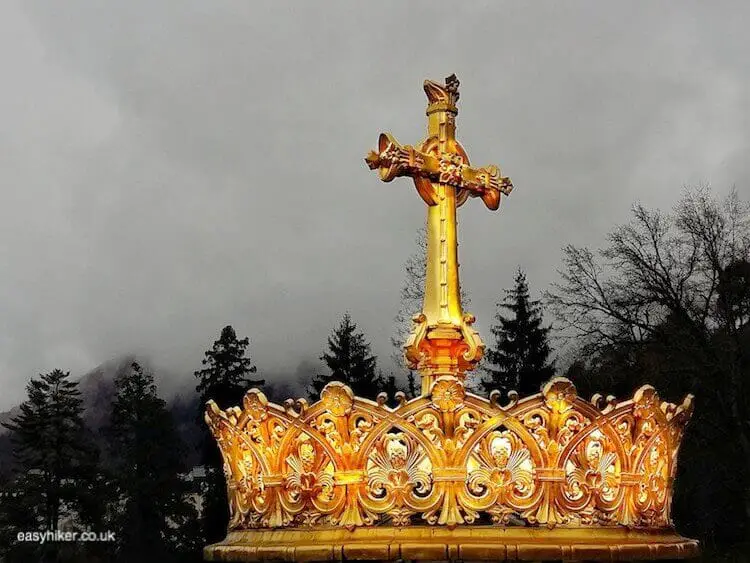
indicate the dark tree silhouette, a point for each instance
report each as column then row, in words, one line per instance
column 349, row 360
column 666, row 302
column 390, row 385
column 519, row 359
column 155, row 522
column 56, row 462
column 50, row 445
column 225, row 375
column 224, row 379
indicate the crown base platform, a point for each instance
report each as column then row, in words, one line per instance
column 474, row 543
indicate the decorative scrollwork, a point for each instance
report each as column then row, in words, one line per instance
column 395, row 468
column 592, row 480
column 307, row 478
column 398, row 475
column 501, row 474
column 449, row 457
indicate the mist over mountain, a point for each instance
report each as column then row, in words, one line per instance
column 97, row 388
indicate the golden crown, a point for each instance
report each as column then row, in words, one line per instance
column 449, row 475
column 447, row 459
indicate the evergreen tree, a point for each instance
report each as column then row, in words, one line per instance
column 412, row 297
column 225, row 375
column 155, row 520
column 56, row 465
column 520, row 358
column 225, row 380
column 390, row 386
column 51, row 449
column 19, row 512
column 411, row 384
column 349, row 361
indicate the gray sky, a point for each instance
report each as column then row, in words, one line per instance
column 170, row 167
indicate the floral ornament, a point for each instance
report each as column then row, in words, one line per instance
column 651, row 495
column 448, row 394
column 248, row 480
column 306, row 482
column 392, row 154
column 468, row 421
column 337, row 398
column 255, row 405
column 361, row 429
column 308, row 468
column 401, row 516
column 503, row 472
column 248, row 489
column 646, row 402
column 648, row 416
column 536, row 423
column 559, row 394
column 398, row 467
column 451, row 168
column 328, row 428
column 429, row 424
column 573, row 424
column 308, row 518
column 592, row 471
column 624, row 428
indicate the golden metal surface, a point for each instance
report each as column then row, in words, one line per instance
column 476, row 543
column 449, row 475
column 449, row 458
column 442, row 342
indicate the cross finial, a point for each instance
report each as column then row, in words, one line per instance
column 442, row 342
column 442, row 97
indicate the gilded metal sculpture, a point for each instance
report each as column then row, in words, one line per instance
column 449, row 475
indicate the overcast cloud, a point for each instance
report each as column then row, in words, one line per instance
column 168, row 167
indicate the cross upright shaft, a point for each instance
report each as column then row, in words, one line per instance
column 442, row 343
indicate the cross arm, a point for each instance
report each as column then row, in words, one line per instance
column 393, row 160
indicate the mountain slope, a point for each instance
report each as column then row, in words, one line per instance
column 98, row 388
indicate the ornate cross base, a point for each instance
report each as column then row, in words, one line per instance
column 426, row 543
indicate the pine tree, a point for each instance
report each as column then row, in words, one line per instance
column 56, row 465
column 520, row 358
column 225, row 380
column 412, row 297
column 390, row 386
column 349, row 361
column 411, row 384
column 155, row 521
column 50, row 445
column 19, row 512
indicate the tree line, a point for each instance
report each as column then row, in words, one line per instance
column 137, row 487
column 665, row 302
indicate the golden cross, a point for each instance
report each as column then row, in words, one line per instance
column 442, row 342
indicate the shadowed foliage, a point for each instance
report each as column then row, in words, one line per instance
column 519, row 358
column 224, row 379
column 350, row 361
column 667, row 302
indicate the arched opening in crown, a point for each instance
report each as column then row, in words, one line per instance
column 308, row 491
column 500, row 477
column 399, row 481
